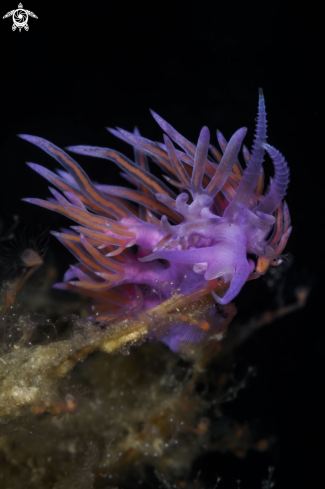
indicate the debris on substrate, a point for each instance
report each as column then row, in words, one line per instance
column 87, row 405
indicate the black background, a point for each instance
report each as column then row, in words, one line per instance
column 86, row 65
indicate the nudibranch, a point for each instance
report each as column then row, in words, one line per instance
column 221, row 225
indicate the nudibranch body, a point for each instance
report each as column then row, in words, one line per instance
column 170, row 242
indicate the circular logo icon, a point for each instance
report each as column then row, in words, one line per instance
column 20, row 19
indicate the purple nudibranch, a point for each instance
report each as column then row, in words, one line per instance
column 136, row 257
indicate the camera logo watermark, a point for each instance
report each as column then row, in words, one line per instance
column 20, row 18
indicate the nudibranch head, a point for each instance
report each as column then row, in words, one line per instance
column 130, row 257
